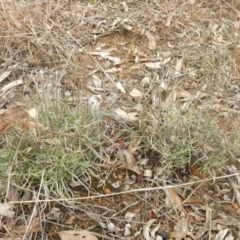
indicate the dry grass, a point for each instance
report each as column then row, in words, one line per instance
column 111, row 129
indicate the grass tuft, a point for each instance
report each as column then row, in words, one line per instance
column 61, row 153
column 181, row 138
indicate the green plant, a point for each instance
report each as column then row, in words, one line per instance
column 181, row 138
column 60, row 153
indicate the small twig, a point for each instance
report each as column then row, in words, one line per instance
column 34, row 212
column 130, row 191
column 124, row 209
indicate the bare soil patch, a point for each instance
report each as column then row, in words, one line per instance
column 119, row 120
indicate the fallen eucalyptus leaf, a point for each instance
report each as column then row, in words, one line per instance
column 76, row 235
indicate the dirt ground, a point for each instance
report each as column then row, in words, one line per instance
column 134, row 61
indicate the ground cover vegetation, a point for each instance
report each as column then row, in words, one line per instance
column 119, row 119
